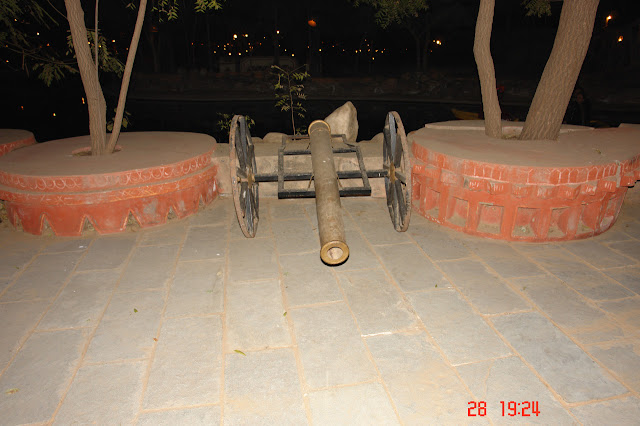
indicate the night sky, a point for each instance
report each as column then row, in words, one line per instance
column 348, row 41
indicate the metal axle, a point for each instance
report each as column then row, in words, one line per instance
column 333, row 246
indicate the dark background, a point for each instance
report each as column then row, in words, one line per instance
column 190, row 50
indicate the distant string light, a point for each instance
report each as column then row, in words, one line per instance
column 620, row 39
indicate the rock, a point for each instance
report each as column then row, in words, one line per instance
column 344, row 120
column 377, row 139
column 273, row 137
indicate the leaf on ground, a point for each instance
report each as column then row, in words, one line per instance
column 436, row 285
column 285, row 314
column 240, row 352
column 155, row 339
column 135, row 310
column 12, row 391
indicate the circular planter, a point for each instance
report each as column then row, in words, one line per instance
column 523, row 190
column 153, row 175
column 12, row 139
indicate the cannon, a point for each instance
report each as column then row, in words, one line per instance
column 327, row 188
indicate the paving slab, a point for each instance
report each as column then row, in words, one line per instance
column 196, row 416
column 171, row 233
column 252, row 259
column 216, row 213
column 43, row 278
column 462, row 335
column 632, row 228
column 100, row 394
column 374, row 222
column 360, row 253
column 487, row 292
column 331, row 350
column 583, row 278
column 149, row 268
column 569, row 310
column 295, row 236
column 492, row 382
column 623, row 358
column 197, row 289
column 67, row 244
column 285, row 209
column 437, row 243
column 628, row 277
column 360, row 404
column 255, row 316
column 25, row 396
column 128, row 327
column 108, row 252
column 205, row 242
column 627, row 311
column 598, row 254
column 82, row 301
column 562, row 364
column 410, row 268
column 307, row 280
column 503, row 258
column 158, row 314
column 263, row 388
column 17, row 320
column 375, row 302
column 13, row 261
column 187, row 364
column 628, row 248
column 621, row 411
column 423, row 387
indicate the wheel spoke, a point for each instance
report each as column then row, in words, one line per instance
column 392, row 138
column 398, row 156
column 242, row 196
column 401, row 177
column 248, row 214
column 254, row 199
column 402, row 207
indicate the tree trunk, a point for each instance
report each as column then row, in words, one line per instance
column 561, row 72
column 126, row 76
column 486, row 71
column 88, row 73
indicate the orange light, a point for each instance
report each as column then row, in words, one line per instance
column 608, row 19
column 620, row 39
column 312, row 23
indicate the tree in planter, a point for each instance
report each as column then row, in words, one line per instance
column 560, row 73
column 290, row 92
column 100, row 144
column 88, row 67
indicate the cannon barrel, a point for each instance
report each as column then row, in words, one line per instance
column 333, row 246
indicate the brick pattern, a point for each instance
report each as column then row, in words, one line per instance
column 522, row 203
column 65, row 203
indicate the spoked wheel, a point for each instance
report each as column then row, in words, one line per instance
column 396, row 162
column 242, row 166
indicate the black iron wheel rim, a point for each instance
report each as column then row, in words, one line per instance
column 242, row 166
column 396, row 163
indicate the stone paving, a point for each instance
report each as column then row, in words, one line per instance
column 192, row 324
